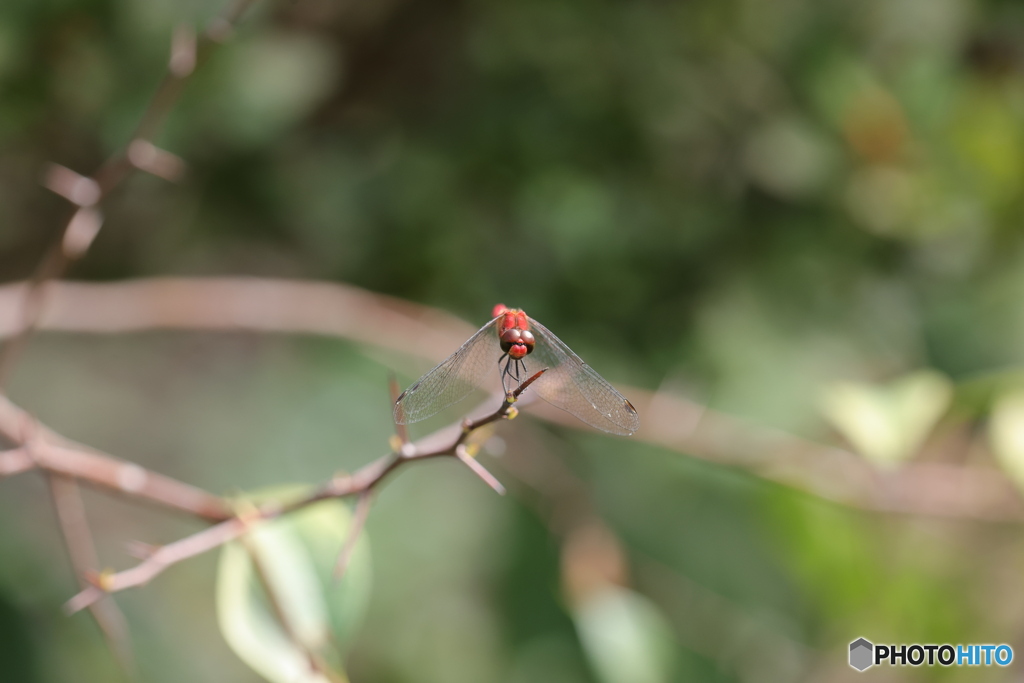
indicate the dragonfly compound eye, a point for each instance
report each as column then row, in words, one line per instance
column 527, row 340
column 510, row 338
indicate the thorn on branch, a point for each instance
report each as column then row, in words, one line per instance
column 533, row 378
column 81, row 231
column 78, row 189
column 219, row 29
column 463, row 454
column 183, row 51
column 146, row 156
column 15, row 461
column 141, row 550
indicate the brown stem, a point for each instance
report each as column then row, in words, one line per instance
column 363, row 480
column 462, row 453
column 15, row 461
column 70, row 509
column 46, row 450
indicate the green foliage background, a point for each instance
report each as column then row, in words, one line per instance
column 748, row 201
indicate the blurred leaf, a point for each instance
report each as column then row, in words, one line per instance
column 323, row 529
column 625, row 637
column 296, row 556
column 269, row 82
column 887, row 424
column 987, row 133
column 249, row 627
column 1006, row 432
column 790, row 158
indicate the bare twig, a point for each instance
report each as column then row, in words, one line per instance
column 241, row 304
column 55, row 454
column 462, row 453
column 363, row 480
column 67, row 502
column 163, row 557
column 15, row 461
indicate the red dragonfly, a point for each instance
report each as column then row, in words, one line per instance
column 516, row 346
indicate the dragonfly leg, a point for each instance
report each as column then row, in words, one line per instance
column 520, row 370
column 505, row 373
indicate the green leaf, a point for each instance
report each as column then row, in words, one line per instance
column 888, row 424
column 1006, row 434
column 295, row 556
column 625, row 637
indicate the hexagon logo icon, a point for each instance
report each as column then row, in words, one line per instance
column 861, row 654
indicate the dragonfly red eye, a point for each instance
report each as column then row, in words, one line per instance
column 527, row 339
column 510, row 338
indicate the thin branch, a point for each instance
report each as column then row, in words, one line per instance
column 362, row 511
column 70, row 509
column 363, row 480
column 462, row 453
column 163, row 557
column 15, row 461
column 242, row 304
column 53, row 453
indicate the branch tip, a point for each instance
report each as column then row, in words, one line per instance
column 183, row 51
column 461, row 452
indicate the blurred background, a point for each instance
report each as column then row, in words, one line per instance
column 803, row 215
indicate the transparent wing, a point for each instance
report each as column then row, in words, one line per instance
column 452, row 380
column 573, row 386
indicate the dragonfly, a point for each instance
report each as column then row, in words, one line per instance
column 515, row 346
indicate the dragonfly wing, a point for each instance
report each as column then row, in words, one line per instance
column 574, row 386
column 453, row 379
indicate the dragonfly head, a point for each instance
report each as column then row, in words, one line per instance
column 517, row 343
